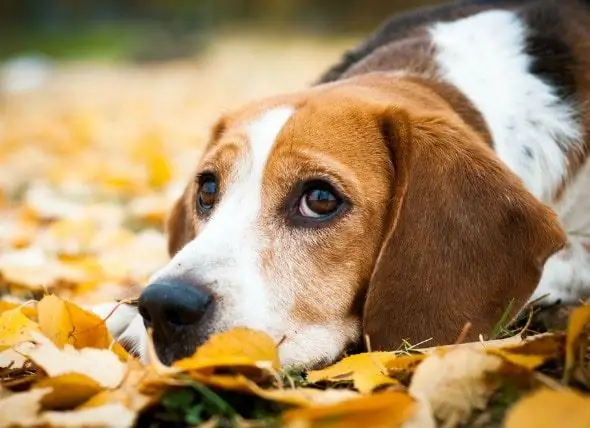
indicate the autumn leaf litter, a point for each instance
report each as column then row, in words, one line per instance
column 80, row 225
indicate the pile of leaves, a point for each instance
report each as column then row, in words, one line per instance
column 60, row 367
column 90, row 163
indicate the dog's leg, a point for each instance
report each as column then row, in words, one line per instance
column 566, row 276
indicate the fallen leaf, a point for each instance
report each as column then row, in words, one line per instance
column 129, row 393
column 66, row 323
column 101, row 365
column 67, row 390
column 454, row 383
column 239, row 347
column 578, row 321
column 29, row 311
column 15, row 328
column 549, row 409
column 367, row 371
column 385, row 409
column 532, row 352
column 110, row 415
column 21, row 409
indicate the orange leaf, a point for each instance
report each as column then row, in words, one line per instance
column 548, row 409
column 67, row 390
column 386, row 409
column 64, row 322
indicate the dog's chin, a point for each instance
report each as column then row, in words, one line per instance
column 181, row 345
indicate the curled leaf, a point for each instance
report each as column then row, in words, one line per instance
column 66, row 323
column 100, row 365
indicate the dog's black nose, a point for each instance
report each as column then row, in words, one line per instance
column 165, row 307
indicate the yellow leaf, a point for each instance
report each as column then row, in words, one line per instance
column 64, row 322
column 15, row 328
column 101, row 365
column 67, row 390
column 239, row 347
column 533, row 352
column 385, row 409
column 29, row 311
column 367, row 371
column 549, row 409
column 576, row 325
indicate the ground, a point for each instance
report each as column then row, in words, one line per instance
column 90, row 162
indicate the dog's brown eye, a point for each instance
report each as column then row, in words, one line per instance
column 318, row 203
column 207, row 194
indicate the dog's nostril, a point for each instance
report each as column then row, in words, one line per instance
column 147, row 319
column 174, row 317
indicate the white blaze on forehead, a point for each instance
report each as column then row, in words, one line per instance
column 225, row 255
column 485, row 57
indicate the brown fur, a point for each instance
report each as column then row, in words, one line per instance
column 440, row 232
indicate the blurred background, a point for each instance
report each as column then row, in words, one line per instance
column 106, row 105
column 160, row 29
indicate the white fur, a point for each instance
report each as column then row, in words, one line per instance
column 484, row 57
column 225, row 255
column 566, row 275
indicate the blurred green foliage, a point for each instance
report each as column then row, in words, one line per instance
column 167, row 28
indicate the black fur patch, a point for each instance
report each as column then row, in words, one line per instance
column 553, row 60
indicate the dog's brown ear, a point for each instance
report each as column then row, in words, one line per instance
column 179, row 224
column 465, row 237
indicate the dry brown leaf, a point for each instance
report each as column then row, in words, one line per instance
column 66, row 323
column 385, row 409
column 67, row 390
column 110, row 415
column 15, row 328
column 367, row 371
column 549, row 409
column 578, row 321
column 101, row 365
column 21, row 409
column 239, row 347
column 454, row 383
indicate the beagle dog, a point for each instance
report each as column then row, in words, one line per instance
column 437, row 176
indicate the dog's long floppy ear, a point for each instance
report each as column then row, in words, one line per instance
column 179, row 224
column 464, row 239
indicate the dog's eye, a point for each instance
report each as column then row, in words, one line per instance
column 207, row 194
column 319, row 201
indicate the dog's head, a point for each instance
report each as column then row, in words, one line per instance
column 358, row 208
